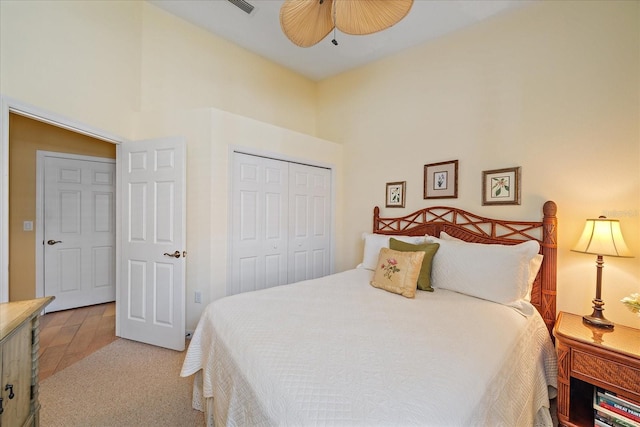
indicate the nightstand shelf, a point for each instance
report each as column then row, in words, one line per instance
column 591, row 357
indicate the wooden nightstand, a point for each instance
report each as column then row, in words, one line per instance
column 19, row 348
column 588, row 357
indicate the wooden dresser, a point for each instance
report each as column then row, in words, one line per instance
column 19, row 361
column 591, row 357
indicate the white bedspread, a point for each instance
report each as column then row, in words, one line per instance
column 336, row 351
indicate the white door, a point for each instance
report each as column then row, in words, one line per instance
column 79, row 231
column 259, row 223
column 151, row 300
column 309, row 222
column 281, row 222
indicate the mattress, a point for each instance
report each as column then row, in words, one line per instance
column 336, row 351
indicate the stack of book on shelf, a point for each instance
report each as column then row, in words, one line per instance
column 611, row 410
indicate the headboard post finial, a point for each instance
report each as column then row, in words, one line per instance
column 550, row 208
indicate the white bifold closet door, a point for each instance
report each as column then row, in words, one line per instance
column 281, row 223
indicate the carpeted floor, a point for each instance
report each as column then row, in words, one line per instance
column 123, row 384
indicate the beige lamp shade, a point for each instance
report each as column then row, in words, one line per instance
column 306, row 22
column 602, row 236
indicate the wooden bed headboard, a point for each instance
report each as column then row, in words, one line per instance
column 473, row 228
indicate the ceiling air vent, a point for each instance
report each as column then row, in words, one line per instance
column 241, row 4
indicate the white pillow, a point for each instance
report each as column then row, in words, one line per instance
column 498, row 273
column 374, row 242
column 534, row 265
column 445, row 236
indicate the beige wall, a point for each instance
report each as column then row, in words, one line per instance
column 97, row 62
column 26, row 137
column 79, row 59
column 184, row 67
column 553, row 88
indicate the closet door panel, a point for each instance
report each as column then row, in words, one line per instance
column 248, row 227
column 281, row 223
column 300, row 216
column 310, row 225
column 319, row 261
column 247, row 279
column 298, row 270
column 258, row 231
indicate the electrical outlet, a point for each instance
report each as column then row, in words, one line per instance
column 198, row 298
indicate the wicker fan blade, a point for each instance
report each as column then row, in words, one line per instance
column 368, row 16
column 306, row 22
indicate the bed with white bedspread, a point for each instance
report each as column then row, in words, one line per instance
column 338, row 351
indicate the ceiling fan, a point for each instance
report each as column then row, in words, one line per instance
column 306, row 22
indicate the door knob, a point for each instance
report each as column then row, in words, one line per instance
column 53, row 242
column 176, row 254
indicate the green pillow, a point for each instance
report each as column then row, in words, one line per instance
column 429, row 249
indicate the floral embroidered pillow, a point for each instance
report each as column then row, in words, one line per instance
column 398, row 271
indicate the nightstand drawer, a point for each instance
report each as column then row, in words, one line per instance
column 606, row 371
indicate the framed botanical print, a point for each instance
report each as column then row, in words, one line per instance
column 501, row 186
column 395, row 194
column 441, row 180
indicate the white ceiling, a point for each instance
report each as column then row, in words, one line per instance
column 260, row 31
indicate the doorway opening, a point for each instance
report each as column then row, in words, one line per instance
column 26, row 137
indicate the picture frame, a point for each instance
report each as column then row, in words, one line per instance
column 501, row 186
column 441, row 180
column 395, row 194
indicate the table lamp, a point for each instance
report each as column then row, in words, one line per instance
column 601, row 237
